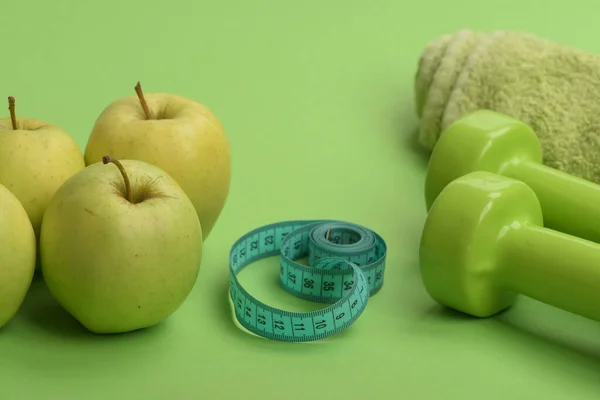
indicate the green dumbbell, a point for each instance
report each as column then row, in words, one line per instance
column 483, row 244
column 488, row 141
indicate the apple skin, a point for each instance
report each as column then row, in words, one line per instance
column 185, row 139
column 17, row 255
column 35, row 160
column 113, row 265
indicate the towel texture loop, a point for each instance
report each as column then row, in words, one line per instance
column 552, row 87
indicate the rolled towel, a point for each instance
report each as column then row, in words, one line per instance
column 552, row 87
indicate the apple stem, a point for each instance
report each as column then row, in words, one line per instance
column 140, row 94
column 128, row 192
column 11, row 109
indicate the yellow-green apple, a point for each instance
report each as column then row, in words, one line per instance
column 36, row 158
column 121, row 246
column 17, row 255
column 179, row 135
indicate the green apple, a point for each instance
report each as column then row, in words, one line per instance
column 177, row 134
column 36, row 158
column 17, row 255
column 121, row 246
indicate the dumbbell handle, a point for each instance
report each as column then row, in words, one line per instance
column 552, row 267
column 570, row 204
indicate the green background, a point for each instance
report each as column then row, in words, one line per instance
column 317, row 99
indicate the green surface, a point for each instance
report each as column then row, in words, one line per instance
column 317, row 98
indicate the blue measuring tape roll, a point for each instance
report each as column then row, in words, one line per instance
column 346, row 264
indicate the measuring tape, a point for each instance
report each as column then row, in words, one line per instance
column 346, row 263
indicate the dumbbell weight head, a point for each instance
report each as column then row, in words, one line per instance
column 462, row 239
column 480, row 141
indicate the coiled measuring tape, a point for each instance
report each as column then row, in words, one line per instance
column 346, row 264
